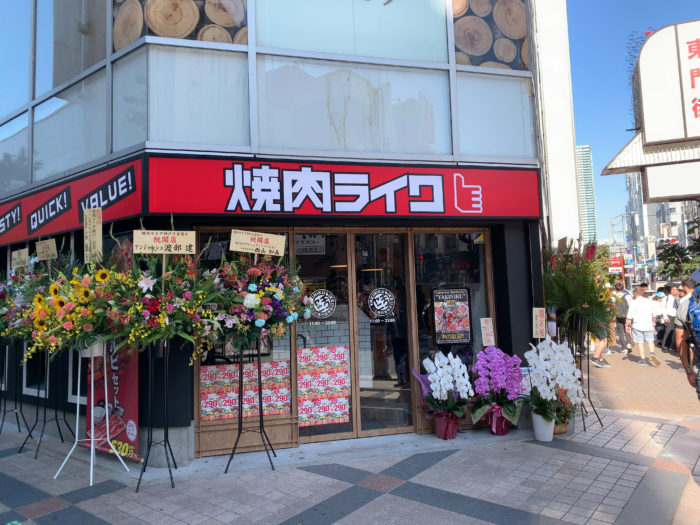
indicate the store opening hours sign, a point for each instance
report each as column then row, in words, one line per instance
column 266, row 187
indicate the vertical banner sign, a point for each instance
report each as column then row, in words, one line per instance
column 487, row 336
column 121, row 405
column 451, row 307
column 92, row 220
column 46, row 250
column 539, row 323
column 20, row 258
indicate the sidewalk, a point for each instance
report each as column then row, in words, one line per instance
column 641, row 467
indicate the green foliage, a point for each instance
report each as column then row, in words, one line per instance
column 452, row 405
column 541, row 406
column 575, row 285
column 678, row 262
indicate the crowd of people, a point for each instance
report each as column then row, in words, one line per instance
column 669, row 320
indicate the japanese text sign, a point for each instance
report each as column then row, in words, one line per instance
column 166, row 242
column 20, row 258
column 254, row 242
column 451, row 307
column 689, row 54
column 487, row 336
column 46, row 250
column 539, row 323
column 286, row 188
column 117, row 190
column 92, row 230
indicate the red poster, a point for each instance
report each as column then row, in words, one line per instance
column 116, row 190
column 121, row 407
column 211, row 186
column 323, row 384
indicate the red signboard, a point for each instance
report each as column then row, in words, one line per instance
column 117, row 190
column 120, row 408
column 211, row 186
column 616, row 261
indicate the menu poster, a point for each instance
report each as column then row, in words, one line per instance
column 323, row 383
column 219, row 390
column 452, row 324
column 121, row 406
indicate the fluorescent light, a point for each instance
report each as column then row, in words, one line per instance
column 338, row 266
column 371, row 269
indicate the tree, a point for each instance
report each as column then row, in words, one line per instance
column 679, row 262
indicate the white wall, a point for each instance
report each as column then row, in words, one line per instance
column 556, row 119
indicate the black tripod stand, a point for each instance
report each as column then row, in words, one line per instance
column 261, row 425
column 163, row 350
column 45, row 372
column 583, row 354
column 17, row 398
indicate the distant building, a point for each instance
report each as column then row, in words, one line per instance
column 586, row 193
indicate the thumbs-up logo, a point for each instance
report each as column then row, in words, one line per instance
column 468, row 197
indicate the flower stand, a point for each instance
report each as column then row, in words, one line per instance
column 92, row 352
column 445, row 425
column 544, row 430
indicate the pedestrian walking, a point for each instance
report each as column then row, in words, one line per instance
column 640, row 323
column 669, row 305
column 684, row 293
column 621, row 303
column 690, row 354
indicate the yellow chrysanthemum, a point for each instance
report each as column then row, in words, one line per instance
column 84, row 295
column 102, row 275
column 53, row 290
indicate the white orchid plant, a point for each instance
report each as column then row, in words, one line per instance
column 552, row 369
column 449, row 384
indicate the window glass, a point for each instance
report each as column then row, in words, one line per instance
column 129, row 100
column 223, row 21
column 70, row 37
column 352, row 107
column 495, row 116
column 14, row 154
column 401, row 29
column 15, row 54
column 209, row 102
column 450, row 262
column 491, row 33
column 80, row 109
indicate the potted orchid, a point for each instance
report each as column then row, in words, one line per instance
column 446, row 390
column 552, row 369
column 498, row 384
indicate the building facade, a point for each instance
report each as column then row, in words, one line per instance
column 586, row 194
column 397, row 146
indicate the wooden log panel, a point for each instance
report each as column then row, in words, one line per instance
column 241, row 36
column 226, row 13
column 213, row 33
column 462, row 59
column 505, row 50
column 172, row 18
column 473, row 35
column 481, row 8
column 213, row 438
column 128, row 24
column 511, row 18
column 459, row 7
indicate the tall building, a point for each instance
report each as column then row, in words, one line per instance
column 586, row 193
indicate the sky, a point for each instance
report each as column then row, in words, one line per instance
column 599, row 31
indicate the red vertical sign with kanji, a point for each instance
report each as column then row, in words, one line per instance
column 121, row 407
column 689, row 55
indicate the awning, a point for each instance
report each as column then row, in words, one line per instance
column 635, row 156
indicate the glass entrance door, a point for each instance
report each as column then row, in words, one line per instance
column 324, row 399
column 382, row 331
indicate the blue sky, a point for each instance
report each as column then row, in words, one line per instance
column 598, row 34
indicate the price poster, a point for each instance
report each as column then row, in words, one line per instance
column 120, row 408
column 323, row 383
column 452, row 324
column 219, row 390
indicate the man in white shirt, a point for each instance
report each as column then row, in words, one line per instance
column 641, row 318
column 669, row 305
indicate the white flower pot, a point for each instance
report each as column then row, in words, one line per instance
column 544, row 430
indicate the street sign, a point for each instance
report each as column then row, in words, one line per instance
column 616, row 261
column 615, row 270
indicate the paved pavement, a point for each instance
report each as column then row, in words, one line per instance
column 640, row 467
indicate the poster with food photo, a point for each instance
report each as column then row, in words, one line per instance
column 452, row 323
